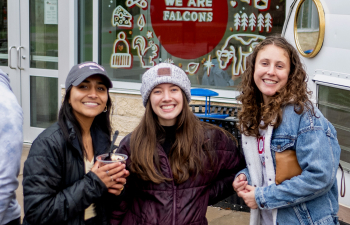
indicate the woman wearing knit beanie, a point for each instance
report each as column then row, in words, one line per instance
column 178, row 165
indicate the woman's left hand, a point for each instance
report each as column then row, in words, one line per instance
column 117, row 188
column 248, row 195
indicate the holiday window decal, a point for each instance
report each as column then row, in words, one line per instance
column 261, row 23
column 252, row 22
column 140, row 43
column 192, row 68
column 261, row 5
column 187, row 31
column 208, row 64
column 228, row 54
column 170, row 61
column 121, row 58
column 140, row 3
column 233, row 4
column 268, row 22
column 149, row 34
column 122, row 18
column 141, row 22
column 172, row 20
column 242, row 23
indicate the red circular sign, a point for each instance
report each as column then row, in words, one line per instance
column 189, row 29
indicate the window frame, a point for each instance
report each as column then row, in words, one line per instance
column 334, row 80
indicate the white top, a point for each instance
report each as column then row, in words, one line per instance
column 265, row 215
column 250, row 146
column 89, row 212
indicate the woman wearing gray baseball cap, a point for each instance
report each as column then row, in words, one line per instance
column 61, row 182
column 178, row 164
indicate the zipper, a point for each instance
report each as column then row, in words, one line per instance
column 161, row 152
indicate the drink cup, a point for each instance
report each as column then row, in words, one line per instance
column 111, row 158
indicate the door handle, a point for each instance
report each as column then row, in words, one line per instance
column 19, row 57
column 9, row 62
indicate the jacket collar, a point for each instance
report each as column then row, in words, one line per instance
column 100, row 140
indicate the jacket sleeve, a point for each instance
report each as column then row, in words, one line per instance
column 318, row 154
column 121, row 206
column 45, row 202
column 230, row 162
column 245, row 171
column 11, row 140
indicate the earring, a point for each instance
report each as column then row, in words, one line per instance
column 105, row 109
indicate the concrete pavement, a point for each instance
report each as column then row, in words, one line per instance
column 215, row 215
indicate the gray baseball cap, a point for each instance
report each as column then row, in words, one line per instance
column 80, row 72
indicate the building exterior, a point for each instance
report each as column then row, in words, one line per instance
column 40, row 40
column 43, row 39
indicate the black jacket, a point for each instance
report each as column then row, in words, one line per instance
column 55, row 187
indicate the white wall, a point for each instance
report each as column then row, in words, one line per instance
column 334, row 57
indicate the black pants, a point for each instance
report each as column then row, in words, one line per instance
column 15, row 222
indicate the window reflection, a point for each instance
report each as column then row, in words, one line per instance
column 209, row 41
column 335, row 106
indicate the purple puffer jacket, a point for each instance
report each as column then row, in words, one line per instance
column 146, row 203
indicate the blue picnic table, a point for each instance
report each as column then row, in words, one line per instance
column 207, row 94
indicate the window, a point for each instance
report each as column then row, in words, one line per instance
column 308, row 19
column 85, row 30
column 334, row 104
column 208, row 39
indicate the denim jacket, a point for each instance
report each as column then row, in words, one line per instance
column 310, row 198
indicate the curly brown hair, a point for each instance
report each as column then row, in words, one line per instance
column 295, row 92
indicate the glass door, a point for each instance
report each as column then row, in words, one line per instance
column 29, row 55
column 38, row 63
column 9, row 42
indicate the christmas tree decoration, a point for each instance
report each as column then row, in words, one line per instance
column 244, row 21
column 261, row 23
column 268, row 22
column 237, row 21
column 252, row 22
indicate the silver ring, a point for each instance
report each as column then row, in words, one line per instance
column 112, row 179
column 107, row 172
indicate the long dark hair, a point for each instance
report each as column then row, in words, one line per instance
column 295, row 92
column 188, row 153
column 66, row 114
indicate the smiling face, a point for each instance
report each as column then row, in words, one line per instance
column 272, row 67
column 89, row 98
column 167, row 103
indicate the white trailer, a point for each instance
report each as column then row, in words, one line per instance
column 320, row 29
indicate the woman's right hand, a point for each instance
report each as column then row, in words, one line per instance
column 240, row 183
column 109, row 174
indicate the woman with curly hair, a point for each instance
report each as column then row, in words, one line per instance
column 277, row 118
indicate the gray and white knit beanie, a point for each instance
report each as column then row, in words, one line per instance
column 164, row 73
